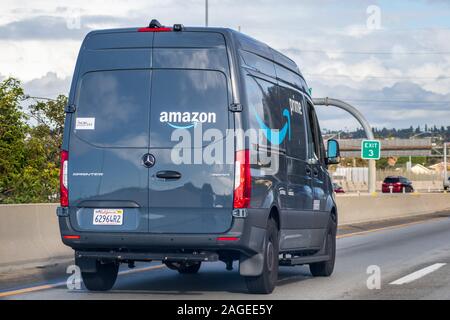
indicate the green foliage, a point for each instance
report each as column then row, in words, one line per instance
column 12, row 136
column 29, row 161
column 401, row 162
column 46, row 136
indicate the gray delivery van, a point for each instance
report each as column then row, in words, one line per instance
column 126, row 196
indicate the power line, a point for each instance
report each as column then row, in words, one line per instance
column 311, row 75
column 377, row 52
column 395, row 101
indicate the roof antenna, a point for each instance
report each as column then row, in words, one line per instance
column 155, row 24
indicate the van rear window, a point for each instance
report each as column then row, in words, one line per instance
column 184, row 99
column 112, row 108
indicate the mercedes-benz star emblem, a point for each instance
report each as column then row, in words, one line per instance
column 148, row 160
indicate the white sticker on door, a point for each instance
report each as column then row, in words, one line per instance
column 316, row 205
column 85, row 124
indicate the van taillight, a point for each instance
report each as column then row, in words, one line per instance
column 227, row 239
column 72, row 237
column 63, row 190
column 242, row 180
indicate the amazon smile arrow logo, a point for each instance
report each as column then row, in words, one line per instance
column 276, row 136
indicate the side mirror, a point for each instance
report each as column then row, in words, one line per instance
column 333, row 153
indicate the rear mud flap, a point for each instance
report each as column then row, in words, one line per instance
column 251, row 266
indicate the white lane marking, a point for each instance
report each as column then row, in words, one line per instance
column 418, row 274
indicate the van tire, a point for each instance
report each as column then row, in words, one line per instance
column 325, row 268
column 266, row 282
column 189, row 269
column 103, row 279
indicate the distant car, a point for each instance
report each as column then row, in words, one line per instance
column 447, row 184
column 397, row 184
column 337, row 188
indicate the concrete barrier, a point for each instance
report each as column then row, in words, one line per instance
column 366, row 208
column 29, row 233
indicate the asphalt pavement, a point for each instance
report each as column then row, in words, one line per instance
column 407, row 261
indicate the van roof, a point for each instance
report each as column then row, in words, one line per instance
column 242, row 41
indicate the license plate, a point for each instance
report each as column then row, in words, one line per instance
column 108, row 217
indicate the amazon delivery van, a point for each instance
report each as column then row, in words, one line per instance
column 192, row 145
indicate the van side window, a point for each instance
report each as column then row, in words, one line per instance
column 323, row 153
column 289, row 77
column 292, row 101
column 315, row 141
column 262, row 99
column 256, row 62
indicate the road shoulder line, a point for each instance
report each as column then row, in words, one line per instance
column 418, row 274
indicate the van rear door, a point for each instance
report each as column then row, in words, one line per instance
column 191, row 183
column 188, row 194
column 109, row 134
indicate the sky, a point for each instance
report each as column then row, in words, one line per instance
column 390, row 59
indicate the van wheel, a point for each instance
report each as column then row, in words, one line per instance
column 189, row 268
column 266, row 282
column 103, row 279
column 325, row 268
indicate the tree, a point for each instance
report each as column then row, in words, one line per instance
column 41, row 173
column 29, row 165
column 50, row 125
column 12, row 136
column 417, row 130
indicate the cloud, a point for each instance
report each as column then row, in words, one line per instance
column 48, row 86
column 330, row 42
column 398, row 106
column 41, row 27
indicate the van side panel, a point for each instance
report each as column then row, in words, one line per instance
column 290, row 188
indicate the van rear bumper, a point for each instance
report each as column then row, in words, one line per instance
column 149, row 256
column 249, row 233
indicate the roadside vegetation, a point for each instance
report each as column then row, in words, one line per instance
column 30, row 139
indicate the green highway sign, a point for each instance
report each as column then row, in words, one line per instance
column 370, row 149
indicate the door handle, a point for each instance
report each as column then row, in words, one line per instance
column 168, row 175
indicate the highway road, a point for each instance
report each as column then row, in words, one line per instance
column 413, row 261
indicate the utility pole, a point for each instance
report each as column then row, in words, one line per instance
column 366, row 126
column 206, row 13
column 445, row 162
